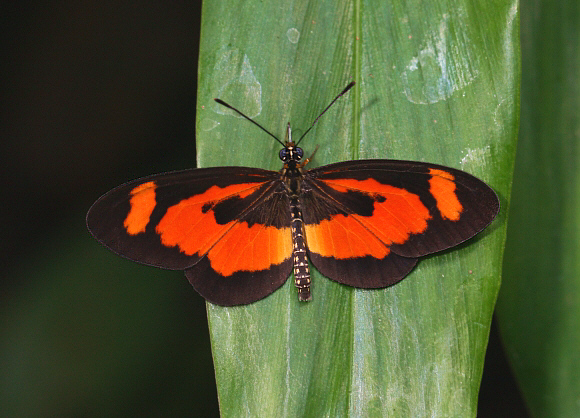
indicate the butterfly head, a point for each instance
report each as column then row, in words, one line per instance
column 290, row 154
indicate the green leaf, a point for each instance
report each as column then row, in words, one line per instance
column 539, row 305
column 436, row 81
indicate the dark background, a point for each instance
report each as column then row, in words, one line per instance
column 94, row 94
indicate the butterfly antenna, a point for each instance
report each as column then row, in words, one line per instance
column 347, row 88
column 248, row 118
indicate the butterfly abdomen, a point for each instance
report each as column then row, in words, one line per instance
column 299, row 258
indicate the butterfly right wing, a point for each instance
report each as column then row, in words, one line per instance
column 367, row 222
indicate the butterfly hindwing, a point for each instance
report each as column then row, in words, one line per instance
column 253, row 258
column 367, row 222
column 221, row 223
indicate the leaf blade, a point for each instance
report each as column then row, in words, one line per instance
column 349, row 351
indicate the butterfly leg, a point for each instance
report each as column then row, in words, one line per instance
column 307, row 160
column 301, row 271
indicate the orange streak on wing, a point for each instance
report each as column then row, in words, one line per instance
column 142, row 204
column 392, row 221
column 187, row 227
column 250, row 248
column 442, row 187
column 399, row 216
column 343, row 237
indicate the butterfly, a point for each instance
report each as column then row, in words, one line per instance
column 238, row 232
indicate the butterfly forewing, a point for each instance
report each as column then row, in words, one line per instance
column 168, row 220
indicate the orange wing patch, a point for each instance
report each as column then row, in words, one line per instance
column 250, row 248
column 397, row 214
column 343, row 237
column 442, row 188
column 231, row 247
column 142, row 204
column 186, row 226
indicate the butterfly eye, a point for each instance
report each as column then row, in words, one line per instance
column 283, row 154
column 298, row 153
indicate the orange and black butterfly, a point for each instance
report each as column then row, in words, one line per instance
column 238, row 232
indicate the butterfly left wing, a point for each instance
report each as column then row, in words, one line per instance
column 227, row 227
column 367, row 222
